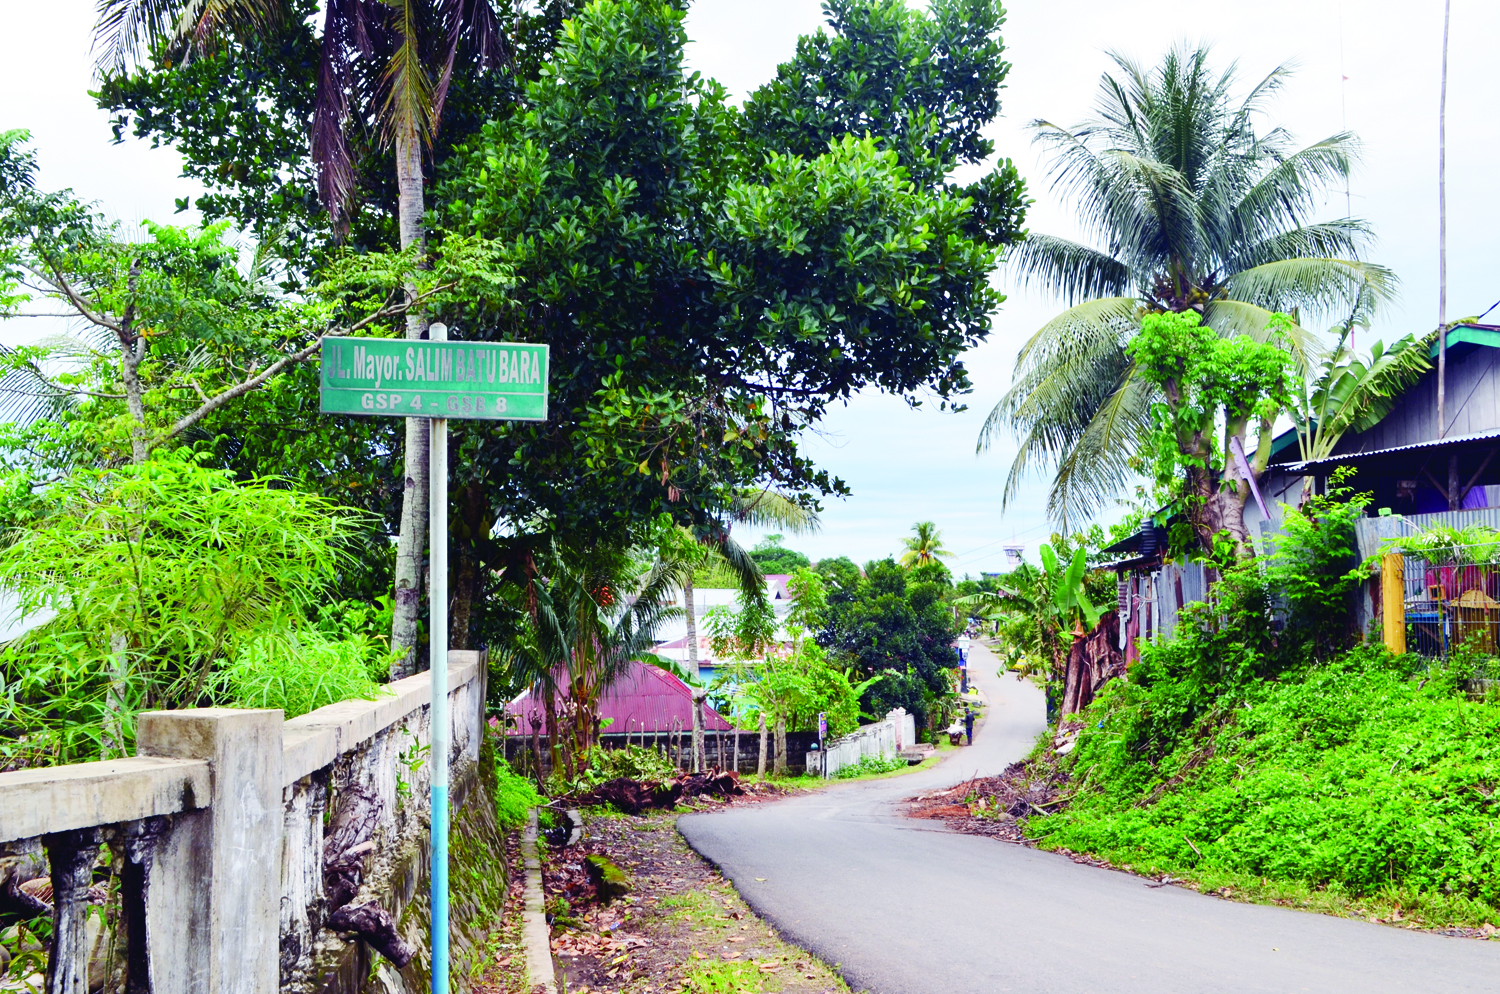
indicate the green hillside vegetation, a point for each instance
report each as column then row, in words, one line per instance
column 1367, row 779
column 1287, row 761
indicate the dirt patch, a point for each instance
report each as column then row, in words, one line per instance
column 679, row 928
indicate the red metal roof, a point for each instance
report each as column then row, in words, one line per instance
column 644, row 697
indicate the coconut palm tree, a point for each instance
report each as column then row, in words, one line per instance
column 1191, row 209
column 924, row 546
column 397, row 59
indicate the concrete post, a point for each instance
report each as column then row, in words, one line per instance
column 213, row 906
column 1393, row 601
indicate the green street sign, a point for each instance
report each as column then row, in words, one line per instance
column 405, row 378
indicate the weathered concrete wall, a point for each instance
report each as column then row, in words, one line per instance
column 378, row 790
column 242, row 836
column 881, row 739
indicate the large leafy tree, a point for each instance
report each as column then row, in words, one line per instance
column 895, row 628
column 706, row 291
column 1192, row 209
column 1210, row 385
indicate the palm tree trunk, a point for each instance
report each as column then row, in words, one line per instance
column 760, row 766
column 536, row 751
column 699, row 756
column 412, row 538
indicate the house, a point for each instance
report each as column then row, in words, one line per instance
column 1405, row 461
column 1418, row 479
column 672, row 636
column 645, row 700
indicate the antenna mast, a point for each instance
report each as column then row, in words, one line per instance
column 1442, row 377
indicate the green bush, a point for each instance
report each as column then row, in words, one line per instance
column 868, row 765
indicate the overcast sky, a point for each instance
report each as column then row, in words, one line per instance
column 906, row 465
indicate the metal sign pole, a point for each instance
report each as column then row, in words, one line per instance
column 436, row 379
column 437, row 524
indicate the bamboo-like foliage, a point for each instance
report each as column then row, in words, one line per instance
column 1190, row 209
column 155, row 575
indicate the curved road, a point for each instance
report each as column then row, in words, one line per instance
column 907, row 907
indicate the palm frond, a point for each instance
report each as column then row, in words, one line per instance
column 1329, row 240
column 1097, row 467
column 408, row 107
column 1071, row 271
column 125, row 30
column 1065, row 371
column 768, row 508
column 470, row 24
column 28, row 396
column 747, row 570
column 1289, row 190
column 1313, row 284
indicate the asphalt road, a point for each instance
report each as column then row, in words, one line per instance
column 907, row 907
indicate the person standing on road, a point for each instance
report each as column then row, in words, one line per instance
column 969, row 725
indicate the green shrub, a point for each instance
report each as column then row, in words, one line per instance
column 514, row 795
column 1363, row 776
column 868, row 765
column 301, row 672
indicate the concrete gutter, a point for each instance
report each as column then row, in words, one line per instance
column 536, row 937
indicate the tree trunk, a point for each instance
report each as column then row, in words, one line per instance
column 132, row 352
column 735, row 754
column 699, row 756
column 1077, row 673
column 1221, row 508
column 536, row 750
column 760, row 766
column 549, row 708
column 691, row 613
column 473, row 529
column 780, row 745
column 413, row 535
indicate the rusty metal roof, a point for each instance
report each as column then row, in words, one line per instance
column 644, row 698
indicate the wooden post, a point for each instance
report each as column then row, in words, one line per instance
column 1393, row 601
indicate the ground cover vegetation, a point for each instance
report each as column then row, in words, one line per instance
column 670, row 923
column 709, row 277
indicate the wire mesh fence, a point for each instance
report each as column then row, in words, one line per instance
column 1453, row 606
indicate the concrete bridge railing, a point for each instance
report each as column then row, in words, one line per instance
column 250, row 854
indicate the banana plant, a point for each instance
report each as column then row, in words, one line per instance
column 1349, row 392
column 1067, row 601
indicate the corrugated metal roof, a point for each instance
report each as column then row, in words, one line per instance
column 1349, row 457
column 643, row 698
